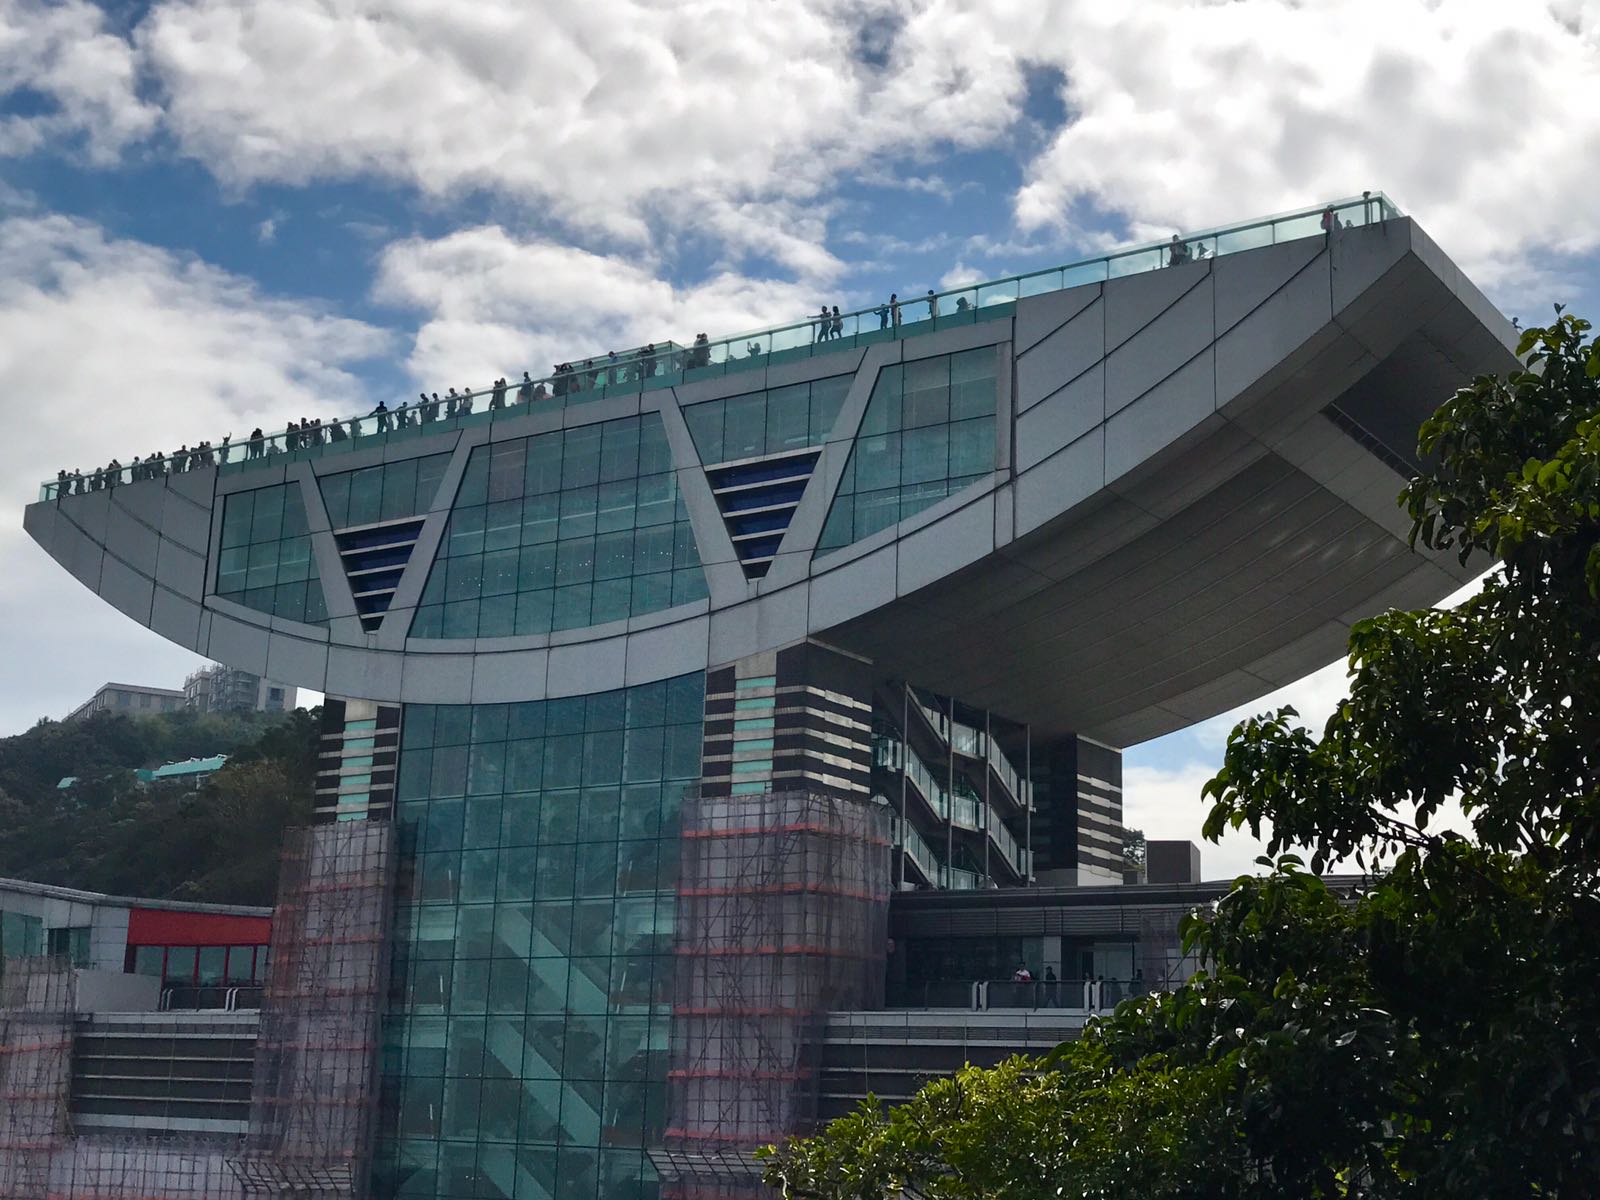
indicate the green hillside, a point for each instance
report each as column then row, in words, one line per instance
column 108, row 834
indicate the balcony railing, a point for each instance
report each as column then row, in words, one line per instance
column 666, row 364
column 1069, row 995
column 920, row 852
column 964, row 808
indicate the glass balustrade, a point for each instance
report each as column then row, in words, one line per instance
column 913, row 844
column 664, row 363
column 1009, row 775
column 964, row 808
column 964, row 739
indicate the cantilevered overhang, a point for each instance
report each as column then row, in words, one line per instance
column 1220, row 526
column 1194, row 498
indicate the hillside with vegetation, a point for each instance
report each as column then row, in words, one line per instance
column 109, row 833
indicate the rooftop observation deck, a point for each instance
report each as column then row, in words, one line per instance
column 666, row 364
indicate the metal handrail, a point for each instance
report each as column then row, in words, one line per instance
column 602, row 375
column 1071, row 995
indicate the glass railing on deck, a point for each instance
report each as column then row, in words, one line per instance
column 932, row 714
column 921, row 853
column 958, row 880
column 964, row 739
column 1008, row 774
column 667, row 363
column 965, row 807
column 1087, row 995
column 1007, row 844
column 1078, row 995
column 931, row 789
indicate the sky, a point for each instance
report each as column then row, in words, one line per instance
column 222, row 213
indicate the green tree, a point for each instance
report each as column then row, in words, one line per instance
column 1434, row 1033
column 111, row 834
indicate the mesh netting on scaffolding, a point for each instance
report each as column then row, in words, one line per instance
column 313, row 1100
column 36, row 1007
column 138, row 1167
column 782, row 915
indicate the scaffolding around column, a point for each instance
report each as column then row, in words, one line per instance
column 783, row 903
column 103, row 1166
column 314, row 1097
column 36, row 1013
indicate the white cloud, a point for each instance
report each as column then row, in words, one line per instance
column 495, row 304
column 734, row 124
column 1165, row 802
column 1184, row 115
column 112, row 347
column 61, row 51
column 721, row 118
column 1162, row 778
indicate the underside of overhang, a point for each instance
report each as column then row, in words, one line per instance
column 1226, row 567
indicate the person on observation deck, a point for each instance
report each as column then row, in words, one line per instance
column 497, row 397
column 525, row 390
column 382, row 413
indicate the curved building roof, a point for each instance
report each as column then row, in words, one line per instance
column 1188, row 497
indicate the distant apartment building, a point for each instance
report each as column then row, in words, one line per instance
column 225, row 689
column 130, row 698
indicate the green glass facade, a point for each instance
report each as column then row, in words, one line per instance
column 264, row 559
column 928, row 432
column 527, row 1056
column 383, row 493
column 770, row 422
column 560, row 531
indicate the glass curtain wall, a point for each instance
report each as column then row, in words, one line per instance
column 761, row 423
column 563, row 530
column 385, row 493
column 928, row 432
column 528, row 1053
column 265, row 560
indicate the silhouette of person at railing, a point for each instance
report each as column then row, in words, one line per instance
column 525, row 390
column 933, row 304
column 257, row 440
column 838, row 323
column 894, row 309
column 382, row 413
column 824, row 329
column 883, row 316
column 1177, row 252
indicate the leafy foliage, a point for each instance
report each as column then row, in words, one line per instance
column 110, row 834
column 1133, row 848
column 1435, row 1032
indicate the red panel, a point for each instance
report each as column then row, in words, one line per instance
column 159, row 927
